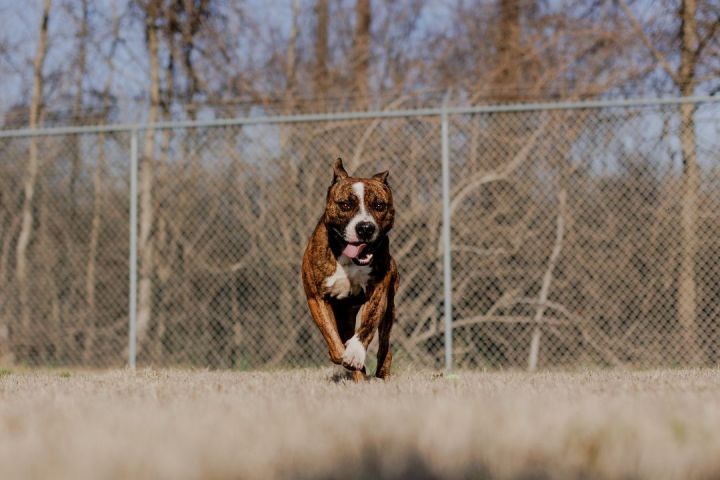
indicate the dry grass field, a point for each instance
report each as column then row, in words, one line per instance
column 312, row 424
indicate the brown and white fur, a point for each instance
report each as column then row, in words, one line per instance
column 350, row 279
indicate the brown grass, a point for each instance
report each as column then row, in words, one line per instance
column 306, row 424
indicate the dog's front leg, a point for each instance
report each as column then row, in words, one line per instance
column 324, row 317
column 370, row 315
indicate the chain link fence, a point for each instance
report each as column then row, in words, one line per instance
column 572, row 230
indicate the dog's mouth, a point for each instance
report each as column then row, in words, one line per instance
column 358, row 253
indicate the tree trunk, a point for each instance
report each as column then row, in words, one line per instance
column 361, row 53
column 547, row 279
column 504, row 87
column 48, row 340
column 194, row 15
column 507, row 79
column 77, row 111
column 320, row 75
column 90, row 270
column 6, row 352
column 147, row 171
column 687, row 295
column 162, row 244
column 291, row 61
column 91, row 323
column 21, row 271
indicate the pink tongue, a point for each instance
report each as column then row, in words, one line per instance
column 352, row 251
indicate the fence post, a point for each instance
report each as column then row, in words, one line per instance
column 132, row 297
column 447, row 264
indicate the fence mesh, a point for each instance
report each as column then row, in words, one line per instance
column 568, row 227
column 64, row 249
column 571, row 233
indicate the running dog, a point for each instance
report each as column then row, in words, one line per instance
column 350, row 279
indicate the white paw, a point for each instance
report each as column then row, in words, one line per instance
column 354, row 356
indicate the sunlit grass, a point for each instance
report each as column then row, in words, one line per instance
column 315, row 424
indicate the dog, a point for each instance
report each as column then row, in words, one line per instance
column 350, row 279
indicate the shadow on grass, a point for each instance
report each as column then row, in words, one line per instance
column 373, row 464
column 340, row 376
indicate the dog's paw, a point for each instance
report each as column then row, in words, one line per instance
column 354, row 356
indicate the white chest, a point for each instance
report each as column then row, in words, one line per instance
column 348, row 279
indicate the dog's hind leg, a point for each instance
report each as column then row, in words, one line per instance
column 384, row 356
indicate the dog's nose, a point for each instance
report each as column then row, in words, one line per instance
column 365, row 230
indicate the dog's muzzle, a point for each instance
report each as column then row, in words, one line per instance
column 359, row 253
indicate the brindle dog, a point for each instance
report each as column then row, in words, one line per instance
column 349, row 276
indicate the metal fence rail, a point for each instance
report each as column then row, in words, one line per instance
column 527, row 236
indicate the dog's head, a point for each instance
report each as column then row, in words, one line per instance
column 359, row 212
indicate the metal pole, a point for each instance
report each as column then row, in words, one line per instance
column 132, row 306
column 348, row 116
column 447, row 264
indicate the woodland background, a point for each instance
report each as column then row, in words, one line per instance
column 580, row 237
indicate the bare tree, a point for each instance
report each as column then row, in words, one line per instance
column 361, row 52
column 689, row 47
column 29, row 184
column 192, row 13
column 687, row 289
column 291, row 62
column 320, row 73
column 77, row 113
column 509, row 47
column 208, row 196
column 146, row 247
column 100, row 191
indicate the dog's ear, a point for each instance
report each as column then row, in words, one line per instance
column 382, row 176
column 339, row 171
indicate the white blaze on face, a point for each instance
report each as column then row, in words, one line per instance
column 361, row 216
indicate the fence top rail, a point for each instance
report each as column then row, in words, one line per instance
column 347, row 116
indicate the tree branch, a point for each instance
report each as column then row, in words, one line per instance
column 646, row 40
column 547, row 279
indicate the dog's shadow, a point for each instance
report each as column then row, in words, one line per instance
column 341, row 377
column 345, row 376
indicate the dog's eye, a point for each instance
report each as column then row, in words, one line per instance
column 345, row 206
column 379, row 206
